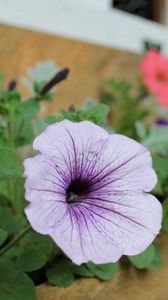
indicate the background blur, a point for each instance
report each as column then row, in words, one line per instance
column 96, row 39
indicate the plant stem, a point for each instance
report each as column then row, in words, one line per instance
column 15, row 196
column 10, row 181
column 13, row 182
column 10, row 138
column 19, row 130
column 15, row 240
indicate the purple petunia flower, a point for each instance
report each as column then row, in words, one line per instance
column 88, row 190
column 162, row 122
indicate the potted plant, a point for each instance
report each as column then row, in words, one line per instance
column 73, row 165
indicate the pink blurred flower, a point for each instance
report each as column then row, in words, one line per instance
column 154, row 67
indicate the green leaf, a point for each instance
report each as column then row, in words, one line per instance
column 38, row 249
column 13, row 99
column 98, row 113
column 10, row 222
column 119, row 85
column 3, row 144
column 103, row 271
column 141, row 129
column 157, row 140
column 145, row 259
column 4, row 200
column 26, row 134
column 165, row 216
column 13, row 253
column 3, row 236
column 158, row 190
column 32, row 259
column 157, row 262
column 39, row 125
column 63, row 271
column 60, row 274
column 81, row 271
column 8, row 163
column 44, row 242
column 14, row 284
column 89, row 103
column 52, row 119
column 3, row 189
column 160, row 164
column 29, row 109
column 125, row 108
column 107, row 98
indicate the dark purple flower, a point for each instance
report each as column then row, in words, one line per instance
column 89, row 191
column 12, row 85
column 162, row 122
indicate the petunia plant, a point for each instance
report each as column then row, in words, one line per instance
column 75, row 187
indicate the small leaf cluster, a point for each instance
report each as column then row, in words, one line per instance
column 64, row 272
column 14, row 284
column 150, row 259
column 96, row 113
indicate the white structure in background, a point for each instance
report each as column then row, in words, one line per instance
column 87, row 20
column 97, row 4
column 166, row 13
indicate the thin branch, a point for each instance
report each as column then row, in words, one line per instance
column 15, row 240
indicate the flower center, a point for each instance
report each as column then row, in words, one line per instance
column 77, row 188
